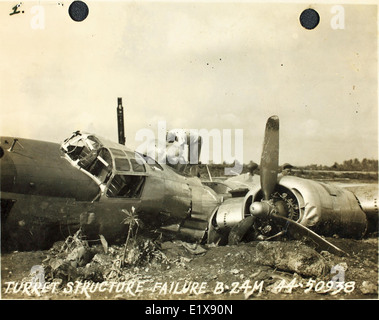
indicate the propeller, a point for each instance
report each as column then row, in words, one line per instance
column 270, row 157
column 269, row 168
column 268, row 176
column 267, row 208
column 298, row 231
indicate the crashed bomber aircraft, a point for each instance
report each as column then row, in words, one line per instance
column 48, row 191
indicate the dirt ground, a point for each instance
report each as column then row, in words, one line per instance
column 179, row 270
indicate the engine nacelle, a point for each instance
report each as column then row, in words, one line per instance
column 326, row 209
column 224, row 218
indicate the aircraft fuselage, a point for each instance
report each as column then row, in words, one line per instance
column 48, row 191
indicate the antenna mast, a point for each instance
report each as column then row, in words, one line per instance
column 120, row 122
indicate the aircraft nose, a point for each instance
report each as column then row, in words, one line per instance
column 8, row 171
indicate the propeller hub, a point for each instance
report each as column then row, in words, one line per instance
column 260, row 209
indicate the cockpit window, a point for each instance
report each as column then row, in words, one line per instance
column 137, row 164
column 75, row 148
column 150, row 161
column 81, row 149
column 93, row 142
column 122, row 164
column 117, row 152
column 126, row 186
column 137, row 167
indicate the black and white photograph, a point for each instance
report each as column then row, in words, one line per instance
column 189, row 150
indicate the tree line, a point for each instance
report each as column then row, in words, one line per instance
column 366, row 165
column 366, row 169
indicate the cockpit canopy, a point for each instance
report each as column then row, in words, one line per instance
column 119, row 171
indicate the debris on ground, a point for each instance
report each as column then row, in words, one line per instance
column 161, row 269
column 369, row 287
column 75, row 259
column 293, row 257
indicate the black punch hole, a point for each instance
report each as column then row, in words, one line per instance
column 309, row 19
column 78, row 10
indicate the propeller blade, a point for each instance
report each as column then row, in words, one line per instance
column 239, row 230
column 270, row 157
column 297, row 230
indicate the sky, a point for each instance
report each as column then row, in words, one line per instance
column 195, row 65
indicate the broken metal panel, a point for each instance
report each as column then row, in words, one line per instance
column 193, row 209
column 245, row 180
column 218, row 187
column 190, row 233
column 194, row 234
column 195, row 224
column 177, row 201
column 194, row 229
column 204, row 200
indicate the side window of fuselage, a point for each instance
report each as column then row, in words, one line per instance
column 126, row 186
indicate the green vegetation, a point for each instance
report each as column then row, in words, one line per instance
column 353, row 169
